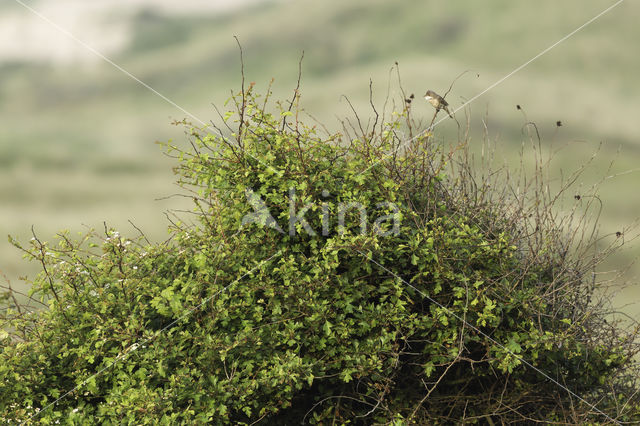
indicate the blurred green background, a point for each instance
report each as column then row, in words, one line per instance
column 77, row 134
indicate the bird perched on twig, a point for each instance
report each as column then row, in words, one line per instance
column 437, row 101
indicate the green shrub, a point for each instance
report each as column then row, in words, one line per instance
column 443, row 302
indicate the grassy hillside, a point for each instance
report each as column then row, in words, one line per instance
column 77, row 140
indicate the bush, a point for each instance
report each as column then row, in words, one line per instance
column 322, row 278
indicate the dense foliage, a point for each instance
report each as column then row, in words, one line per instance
column 401, row 292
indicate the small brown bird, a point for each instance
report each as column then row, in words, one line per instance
column 437, row 101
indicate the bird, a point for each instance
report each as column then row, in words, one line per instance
column 437, row 101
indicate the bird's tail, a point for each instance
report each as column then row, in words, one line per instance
column 448, row 112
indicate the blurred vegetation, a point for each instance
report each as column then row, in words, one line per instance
column 77, row 140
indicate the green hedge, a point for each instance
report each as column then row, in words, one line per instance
column 428, row 322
